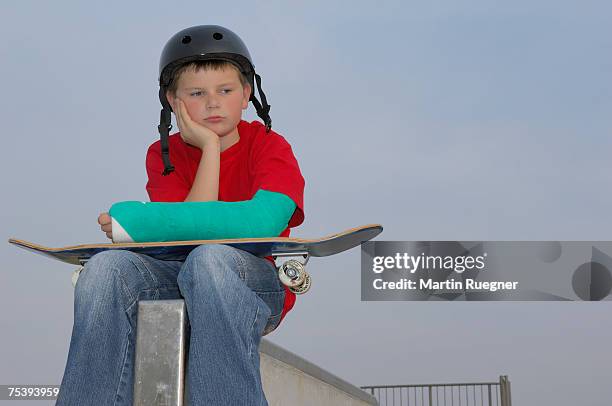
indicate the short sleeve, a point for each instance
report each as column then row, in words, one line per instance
column 170, row 188
column 276, row 169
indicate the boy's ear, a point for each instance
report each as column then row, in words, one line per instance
column 170, row 98
column 246, row 95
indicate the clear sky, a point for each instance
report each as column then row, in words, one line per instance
column 442, row 120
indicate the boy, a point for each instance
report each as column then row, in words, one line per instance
column 233, row 179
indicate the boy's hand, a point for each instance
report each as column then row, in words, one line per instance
column 105, row 222
column 192, row 132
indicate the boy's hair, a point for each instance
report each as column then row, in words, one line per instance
column 207, row 64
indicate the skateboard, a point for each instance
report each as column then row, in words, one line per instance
column 291, row 271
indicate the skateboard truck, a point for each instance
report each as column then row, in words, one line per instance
column 292, row 272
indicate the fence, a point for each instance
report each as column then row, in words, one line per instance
column 444, row 394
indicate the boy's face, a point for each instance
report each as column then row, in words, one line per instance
column 214, row 98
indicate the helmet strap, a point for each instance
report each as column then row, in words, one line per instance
column 164, row 127
column 263, row 108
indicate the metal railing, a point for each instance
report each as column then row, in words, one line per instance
column 444, row 394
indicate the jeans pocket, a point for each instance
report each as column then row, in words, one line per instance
column 276, row 302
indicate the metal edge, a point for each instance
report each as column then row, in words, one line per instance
column 289, row 358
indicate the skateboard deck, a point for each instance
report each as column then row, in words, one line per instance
column 291, row 272
column 178, row 250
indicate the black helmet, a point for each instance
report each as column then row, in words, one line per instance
column 200, row 43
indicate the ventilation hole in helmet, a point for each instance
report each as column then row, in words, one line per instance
column 217, row 35
column 186, row 39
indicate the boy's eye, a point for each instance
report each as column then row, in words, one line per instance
column 222, row 91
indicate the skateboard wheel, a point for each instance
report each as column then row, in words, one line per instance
column 304, row 287
column 291, row 273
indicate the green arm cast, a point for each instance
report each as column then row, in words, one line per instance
column 265, row 215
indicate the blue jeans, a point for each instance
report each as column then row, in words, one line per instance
column 232, row 299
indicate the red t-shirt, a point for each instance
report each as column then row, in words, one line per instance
column 259, row 160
